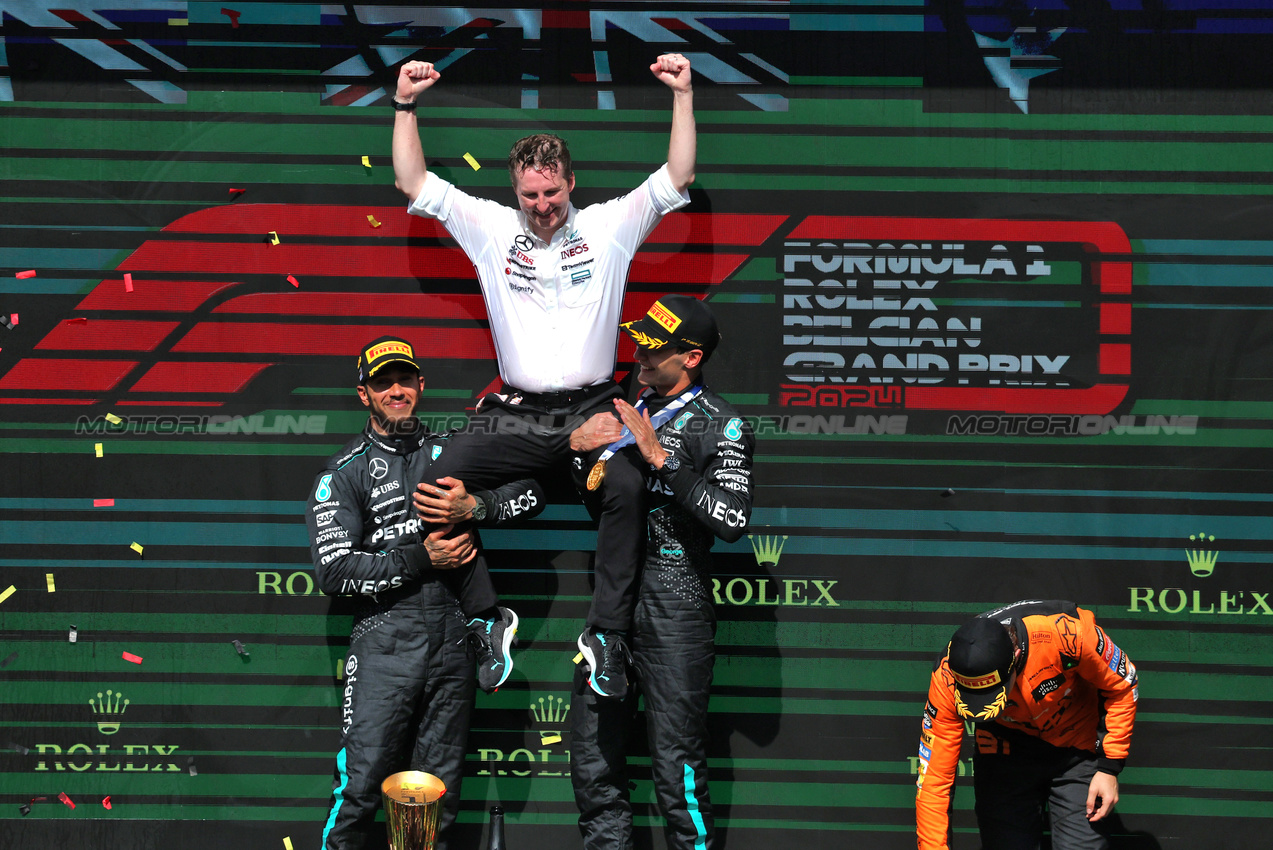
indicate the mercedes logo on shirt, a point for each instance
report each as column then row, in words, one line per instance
column 379, row 468
column 524, row 242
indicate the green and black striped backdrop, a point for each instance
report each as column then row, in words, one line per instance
column 995, row 287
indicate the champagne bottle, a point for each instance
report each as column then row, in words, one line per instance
column 495, row 836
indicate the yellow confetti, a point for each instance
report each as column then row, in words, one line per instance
column 340, row 669
column 9, row 591
column 366, row 160
column 273, row 237
column 48, row 577
column 545, row 740
column 97, row 447
column 578, row 657
column 287, row 839
column 113, row 419
column 468, row 157
column 137, row 547
column 178, row 22
column 372, row 219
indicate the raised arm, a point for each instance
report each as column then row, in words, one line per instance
column 409, row 169
column 673, row 70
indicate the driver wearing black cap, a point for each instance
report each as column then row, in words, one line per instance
column 1052, row 700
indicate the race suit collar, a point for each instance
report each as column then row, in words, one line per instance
column 398, row 444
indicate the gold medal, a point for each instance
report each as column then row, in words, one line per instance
column 596, row 475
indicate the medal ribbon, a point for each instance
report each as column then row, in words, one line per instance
column 657, row 420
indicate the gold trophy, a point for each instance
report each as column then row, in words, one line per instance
column 413, row 803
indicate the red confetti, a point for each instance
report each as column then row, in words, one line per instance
column 233, row 16
column 103, row 503
column 66, row 799
column 106, row 802
column 237, row 191
column 26, row 274
column 136, row 659
column 78, row 320
column 293, row 281
column 13, row 317
column 128, row 281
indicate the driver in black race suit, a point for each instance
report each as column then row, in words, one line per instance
column 408, row 682
column 698, row 453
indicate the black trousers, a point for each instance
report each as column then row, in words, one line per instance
column 673, row 650
column 1012, row 790
column 506, row 442
column 407, row 698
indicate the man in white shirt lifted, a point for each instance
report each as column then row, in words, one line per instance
column 553, row 278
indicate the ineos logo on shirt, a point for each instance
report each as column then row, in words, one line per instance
column 524, row 242
column 379, row 468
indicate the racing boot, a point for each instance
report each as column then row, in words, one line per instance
column 607, row 655
column 494, row 639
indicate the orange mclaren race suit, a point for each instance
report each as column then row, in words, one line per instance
column 1070, row 676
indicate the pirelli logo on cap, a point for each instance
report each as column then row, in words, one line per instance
column 978, row 683
column 664, row 317
column 394, row 347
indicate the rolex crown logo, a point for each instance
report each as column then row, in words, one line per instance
column 768, row 549
column 108, row 710
column 1201, row 562
column 552, row 711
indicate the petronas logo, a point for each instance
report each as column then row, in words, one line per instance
column 1201, row 562
column 108, row 710
column 768, row 549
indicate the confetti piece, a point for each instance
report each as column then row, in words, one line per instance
column 549, row 739
column 366, row 161
column 13, row 317
column 78, row 320
column 12, row 655
column 237, row 191
column 233, row 15
column 128, row 656
column 194, row 771
column 26, row 274
column 947, row 493
column 178, row 22
column 238, row 647
column 97, row 449
column 293, row 281
column 66, row 799
column 372, row 219
column 106, row 802
column 5, row 594
column 287, row 842
column 103, row 503
column 468, row 157
column 137, row 547
column 578, row 657
column 128, row 281
column 17, row 748
column 113, row 419
column 48, row 578
column 74, row 634
column 274, row 237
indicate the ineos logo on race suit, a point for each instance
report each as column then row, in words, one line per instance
column 379, row 468
column 721, row 512
column 518, row 505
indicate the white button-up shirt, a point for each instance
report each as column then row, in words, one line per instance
column 554, row 307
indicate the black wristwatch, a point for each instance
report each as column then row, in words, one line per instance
column 399, row 106
column 479, row 509
column 671, row 463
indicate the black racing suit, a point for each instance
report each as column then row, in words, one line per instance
column 672, row 639
column 408, row 683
